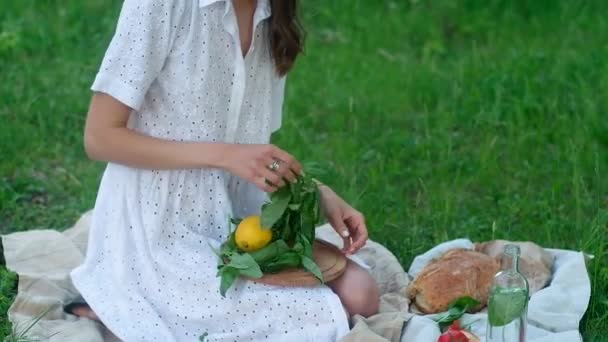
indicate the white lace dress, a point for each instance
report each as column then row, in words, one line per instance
column 149, row 272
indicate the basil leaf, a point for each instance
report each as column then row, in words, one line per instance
column 306, row 223
column 283, row 261
column 298, row 247
column 273, row 211
column 456, row 309
column 269, row 252
column 229, row 246
column 296, row 190
column 464, row 303
column 287, row 230
column 244, row 262
column 312, row 267
column 317, row 207
column 307, row 245
column 228, row 276
column 282, row 245
column 252, row 272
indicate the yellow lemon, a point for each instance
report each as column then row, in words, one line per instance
column 250, row 236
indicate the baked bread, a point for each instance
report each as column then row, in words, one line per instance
column 534, row 263
column 455, row 274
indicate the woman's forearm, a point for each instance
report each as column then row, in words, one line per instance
column 125, row 146
column 107, row 138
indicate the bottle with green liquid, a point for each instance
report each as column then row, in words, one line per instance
column 508, row 303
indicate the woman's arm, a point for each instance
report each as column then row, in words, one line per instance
column 347, row 221
column 107, row 138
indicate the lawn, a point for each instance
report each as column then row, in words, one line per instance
column 437, row 119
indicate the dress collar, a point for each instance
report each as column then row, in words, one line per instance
column 262, row 10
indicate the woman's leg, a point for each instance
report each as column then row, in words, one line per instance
column 357, row 290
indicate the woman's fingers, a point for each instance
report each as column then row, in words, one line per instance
column 263, row 185
column 281, row 169
column 272, row 177
column 338, row 224
column 288, row 161
column 273, row 167
column 358, row 231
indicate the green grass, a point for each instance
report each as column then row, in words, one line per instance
column 437, row 119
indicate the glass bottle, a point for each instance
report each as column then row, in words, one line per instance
column 508, row 303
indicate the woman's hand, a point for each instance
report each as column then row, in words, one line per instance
column 348, row 222
column 266, row 166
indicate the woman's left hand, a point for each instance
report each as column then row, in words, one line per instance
column 348, row 222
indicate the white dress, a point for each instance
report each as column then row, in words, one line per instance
column 149, row 272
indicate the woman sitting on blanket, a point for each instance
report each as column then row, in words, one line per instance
column 185, row 101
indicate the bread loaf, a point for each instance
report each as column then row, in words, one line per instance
column 455, row 274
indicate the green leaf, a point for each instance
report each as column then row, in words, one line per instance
column 296, row 190
column 307, row 226
column 270, row 252
column 464, row 303
column 287, row 227
column 228, row 276
column 283, row 261
column 229, row 246
column 312, row 267
column 245, row 264
column 456, row 309
column 295, row 206
column 254, row 272
column 273, row 211
column 307, row 246
column 298, row 247
column 317, row 207
column 267, row 253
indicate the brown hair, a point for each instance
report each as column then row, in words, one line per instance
column 286, row 34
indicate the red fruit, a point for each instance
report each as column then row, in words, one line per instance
column 455, row 325
column 454, row 334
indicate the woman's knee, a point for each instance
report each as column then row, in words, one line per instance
column 357, row 290
column 367, row 302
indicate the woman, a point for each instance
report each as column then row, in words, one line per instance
column 185, row 101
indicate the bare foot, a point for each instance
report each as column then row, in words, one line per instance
column 82, row 310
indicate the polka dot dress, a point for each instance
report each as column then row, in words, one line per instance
column 149, row 272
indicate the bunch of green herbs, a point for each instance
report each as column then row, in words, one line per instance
column 292, row 213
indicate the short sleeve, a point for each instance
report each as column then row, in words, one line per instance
column 138, row 50
column 278, row 97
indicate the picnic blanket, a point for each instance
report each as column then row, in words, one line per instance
column 43, row 260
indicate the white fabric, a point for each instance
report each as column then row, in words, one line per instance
column 554, row 313
column 149, row 272
column 43, row 260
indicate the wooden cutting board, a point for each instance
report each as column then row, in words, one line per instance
column 330, row 259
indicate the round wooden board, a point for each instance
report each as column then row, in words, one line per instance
column 330, row 259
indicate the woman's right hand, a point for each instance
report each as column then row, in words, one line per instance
column 253, row 163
